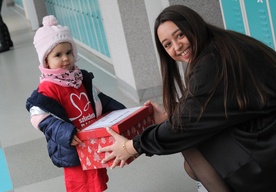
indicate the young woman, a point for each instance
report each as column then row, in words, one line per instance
column 222, row 115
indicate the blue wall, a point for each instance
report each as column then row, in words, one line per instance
column 256, row 18
column 5, row 180
column 19, row 3
column 84, row 20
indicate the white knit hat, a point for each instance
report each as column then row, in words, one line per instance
column 50, row 35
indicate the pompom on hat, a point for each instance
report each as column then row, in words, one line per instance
column 50, row 35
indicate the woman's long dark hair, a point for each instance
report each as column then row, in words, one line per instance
column 200, row 34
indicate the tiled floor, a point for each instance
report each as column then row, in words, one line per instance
column 25, row 148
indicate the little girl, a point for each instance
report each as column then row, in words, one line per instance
column 66, row 102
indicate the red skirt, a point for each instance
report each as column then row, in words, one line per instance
column 78, row 180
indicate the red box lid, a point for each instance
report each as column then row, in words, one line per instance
column 136, row 115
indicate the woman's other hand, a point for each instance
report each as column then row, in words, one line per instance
column 159, row 113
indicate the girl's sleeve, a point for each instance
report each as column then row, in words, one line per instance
column 59, row 131
column 54, row 128
column 37, row 115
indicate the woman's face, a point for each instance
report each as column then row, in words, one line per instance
column 174, row 41
column 61, row 56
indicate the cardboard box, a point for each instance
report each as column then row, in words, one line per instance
column 127, row 122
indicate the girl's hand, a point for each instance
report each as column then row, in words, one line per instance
column 159, row 113
column 120, row 150
column 75, row 141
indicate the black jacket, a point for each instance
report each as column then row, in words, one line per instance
column 242, row 146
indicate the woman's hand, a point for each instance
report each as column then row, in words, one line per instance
column 159, row 113
column 120, row 150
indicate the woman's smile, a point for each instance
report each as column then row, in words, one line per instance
column 174, row 41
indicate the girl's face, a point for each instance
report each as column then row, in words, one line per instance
column 61, row 56
column 174, row 41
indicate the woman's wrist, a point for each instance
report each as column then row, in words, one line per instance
column 128, row 147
